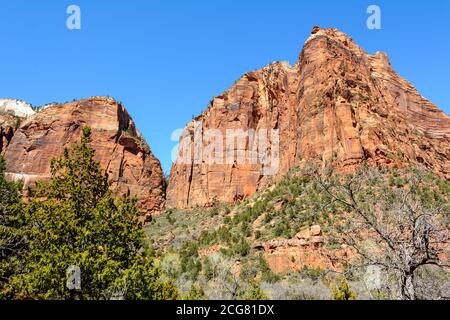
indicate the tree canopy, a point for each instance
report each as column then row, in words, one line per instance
column 74, row 220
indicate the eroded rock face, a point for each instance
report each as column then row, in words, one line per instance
column 7, row 128
column 307, row 249
column 337, row 104
column 122, row 152
column 12, row 113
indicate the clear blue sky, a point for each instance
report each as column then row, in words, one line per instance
column 166, row 59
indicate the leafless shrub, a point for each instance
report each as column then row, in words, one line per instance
column 398, row 222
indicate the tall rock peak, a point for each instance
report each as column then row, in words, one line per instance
column 336, row 105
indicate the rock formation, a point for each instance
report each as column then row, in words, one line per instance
column 337, row 104
column 12, row 112
column 122, row 152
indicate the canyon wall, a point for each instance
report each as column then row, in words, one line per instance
column 336, row 105
column 30, row 142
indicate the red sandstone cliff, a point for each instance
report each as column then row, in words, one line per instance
column 122, row 152
column 336, row 104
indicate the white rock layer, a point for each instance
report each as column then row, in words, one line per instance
column 16, row 108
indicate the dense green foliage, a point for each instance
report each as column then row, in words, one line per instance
column 11, row 227
column 75, row 221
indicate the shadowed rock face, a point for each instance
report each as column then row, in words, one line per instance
column 7, row 127
column 337, row 104
column 124, row 155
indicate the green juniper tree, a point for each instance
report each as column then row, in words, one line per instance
column 75, row 221
column 254, row 292
column 12, row 240
column 343, row 291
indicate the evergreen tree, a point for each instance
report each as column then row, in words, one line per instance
column 196, row 293
column 12, row 241
column 343, row 291
column 254, row 292
column 75, row 221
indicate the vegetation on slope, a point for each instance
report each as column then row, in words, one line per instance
column 391, row 223
column 394, row 220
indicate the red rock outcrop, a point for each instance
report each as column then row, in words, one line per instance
column 122, row 152
column 306, row 249
column 337, row 104
column 12, row 113
column 7, row 128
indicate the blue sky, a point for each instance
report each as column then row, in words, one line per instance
column 166, row 59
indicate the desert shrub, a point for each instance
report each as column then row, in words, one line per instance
column 246, row 229
column 190, row 249
column 343, row 291
column 170, row 219
column 283, row 229
column 259, row 207
column 143, row 282
column 171, row 265
column 196, row 293
column 226, row 252
column 191, row 267
column 214, row 212
column 253, row 292
column 242, row 248
column 17, row 122
column 298, row 290
column 249, row 270
column 314, row 274
column 207, row 269
column 224, row 234
column 207, row 238
column 432, row 283
column 267, row 275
